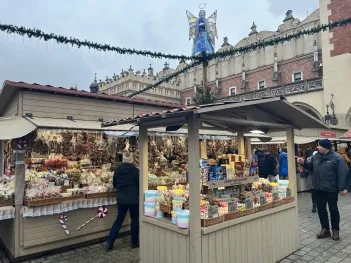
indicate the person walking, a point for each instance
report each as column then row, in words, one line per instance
column 126, row 181
column 283, row 164
column 345, row 153
column 328, row 172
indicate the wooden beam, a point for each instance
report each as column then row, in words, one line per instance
column 164, row 122
column 206, row 117
column 143, row 183
column 194, row 184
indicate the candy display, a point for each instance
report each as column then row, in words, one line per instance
column 7, row 191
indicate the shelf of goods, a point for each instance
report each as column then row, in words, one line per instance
column 7, row 197
column 66, row 179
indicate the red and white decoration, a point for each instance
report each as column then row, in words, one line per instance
column 100, row 213
column 62, row 219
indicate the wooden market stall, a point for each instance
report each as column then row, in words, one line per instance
column 28, row 108
column 265, row 236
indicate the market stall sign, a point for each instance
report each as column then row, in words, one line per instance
column 232, row 182
column 328, row 134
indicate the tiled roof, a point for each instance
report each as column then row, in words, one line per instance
column 145, row 115
column 86, row 94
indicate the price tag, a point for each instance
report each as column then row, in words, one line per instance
column 66, row 183
column 275, row 195
column 248, row 203
column 232, row 207
column 213, row 211
column 263, row 199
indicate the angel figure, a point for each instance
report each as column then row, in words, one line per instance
column 203, row 31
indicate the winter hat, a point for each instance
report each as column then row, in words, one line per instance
column 325, row 143
column 128, row 157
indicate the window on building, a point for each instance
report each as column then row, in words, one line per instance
column 188, row 101
column 232, row 91
column 297, row 76
column 261, row 84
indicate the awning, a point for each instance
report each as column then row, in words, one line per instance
column 347, row 135
column 282, row 139
column 15, row 127
column 49, row 123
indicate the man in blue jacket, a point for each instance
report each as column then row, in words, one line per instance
column 328, row 171
column 283, row 164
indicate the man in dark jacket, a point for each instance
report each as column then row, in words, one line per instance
column 328, row 172
column 266, row 163
column 126, row 181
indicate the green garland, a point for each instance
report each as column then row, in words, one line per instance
column 127, row 51
column 166, row 78
column 10, row 29
column 279, row 40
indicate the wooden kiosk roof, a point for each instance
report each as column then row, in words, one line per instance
column 266, row 114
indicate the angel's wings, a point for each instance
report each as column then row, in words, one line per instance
column 212, row 19
column 192, row 24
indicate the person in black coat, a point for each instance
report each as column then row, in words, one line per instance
column 267, row 164
column 328, row 171
column 126, row 181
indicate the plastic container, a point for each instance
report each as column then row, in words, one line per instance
column 151, row 196
column 177, row 205
column 159, row 214
column 183, row 218
column 174, row 217
column 150, row 209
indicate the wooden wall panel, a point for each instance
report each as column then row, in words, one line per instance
column 7, row 230
column 164, row 245
column 12, row 107
column 59, row 107
column 265, row 239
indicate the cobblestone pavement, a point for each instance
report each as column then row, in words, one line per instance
column 312, row 250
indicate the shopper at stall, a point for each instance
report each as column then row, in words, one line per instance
column 309, row 154
column 126, row 181
column 328, row 180
column 345, row 153
column 283, row 164
column 266, row 164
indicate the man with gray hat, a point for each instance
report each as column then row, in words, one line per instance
column 328, row 172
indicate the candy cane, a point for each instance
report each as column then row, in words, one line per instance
column 62, row 220
column 101, row 213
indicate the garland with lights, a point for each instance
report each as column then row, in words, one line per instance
column 279, row 40
column 36, row 33
column 167, row 78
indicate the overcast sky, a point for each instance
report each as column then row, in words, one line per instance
column 157, row 25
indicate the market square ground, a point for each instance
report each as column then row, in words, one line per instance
column 312, row 250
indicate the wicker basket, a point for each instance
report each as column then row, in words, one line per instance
column 212, row 221
column 7, row 203
column 42, row 202
column 250, row 211
column 166, row 208
column 97, row 195
column 288, row 200
column 264, row 207
column 277, row 203
column 73, row 197
column 233, row 215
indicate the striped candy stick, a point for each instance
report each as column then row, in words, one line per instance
column 62, row 219
column 101, row 213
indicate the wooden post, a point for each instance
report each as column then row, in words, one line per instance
column 2, row 159
column 241, row 143
column 194, row 184
column 19, row 195
column 143, row 182
column 291, row 161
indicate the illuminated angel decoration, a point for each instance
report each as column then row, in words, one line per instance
column 203, row 31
